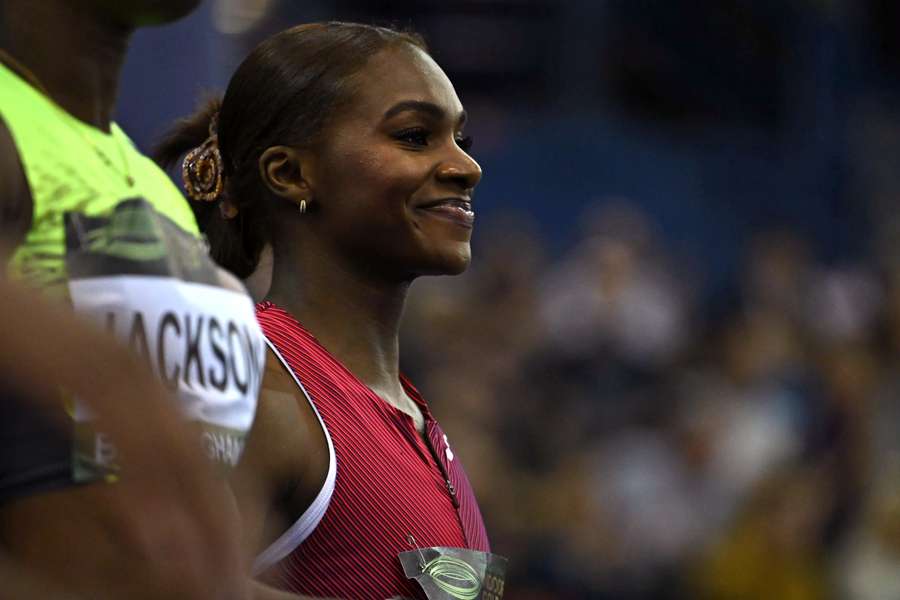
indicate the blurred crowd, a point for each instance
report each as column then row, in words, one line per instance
column 629, row 438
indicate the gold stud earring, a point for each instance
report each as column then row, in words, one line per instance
column 303, row 206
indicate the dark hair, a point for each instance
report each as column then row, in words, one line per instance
column 282, row 94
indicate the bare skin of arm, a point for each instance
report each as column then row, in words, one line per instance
column 19, row 584
column 284, row 464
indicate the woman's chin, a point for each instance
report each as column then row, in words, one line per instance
column 449, row 261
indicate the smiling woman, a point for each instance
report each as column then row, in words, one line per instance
column 341, row 146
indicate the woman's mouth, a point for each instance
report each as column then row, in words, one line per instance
column 457, row 210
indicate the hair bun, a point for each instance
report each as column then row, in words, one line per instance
column 202, row 169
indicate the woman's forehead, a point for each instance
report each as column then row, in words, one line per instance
column 400, row 75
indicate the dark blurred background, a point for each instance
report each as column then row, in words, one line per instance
column 673, row 371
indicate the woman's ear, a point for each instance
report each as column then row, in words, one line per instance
column 286, row 173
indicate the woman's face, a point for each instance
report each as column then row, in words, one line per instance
column 392, row 177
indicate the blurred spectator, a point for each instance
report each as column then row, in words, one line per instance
column 772, row 550
column 617, row 292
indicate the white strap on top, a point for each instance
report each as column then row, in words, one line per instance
column 308, row 521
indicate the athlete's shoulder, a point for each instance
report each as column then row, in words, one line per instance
column 284, row 331
column 308, row 360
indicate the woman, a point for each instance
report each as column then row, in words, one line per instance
column 341, row 146
column 93, row 222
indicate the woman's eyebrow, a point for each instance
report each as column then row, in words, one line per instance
column 429, row 108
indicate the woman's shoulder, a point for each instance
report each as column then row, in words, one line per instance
column 275, row 320
column 291, row 342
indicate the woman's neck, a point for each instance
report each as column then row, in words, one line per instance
column 353, row 315
column 73, row 52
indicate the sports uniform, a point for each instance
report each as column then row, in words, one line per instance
column 392, row 490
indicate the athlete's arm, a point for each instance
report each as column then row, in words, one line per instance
column 19, row 584
column 284, row 464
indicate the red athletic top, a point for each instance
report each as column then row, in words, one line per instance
column 389, row 484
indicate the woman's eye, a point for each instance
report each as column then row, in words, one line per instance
column 465, row 142
column 414, row 137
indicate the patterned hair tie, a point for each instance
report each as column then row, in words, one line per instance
column 201, row 170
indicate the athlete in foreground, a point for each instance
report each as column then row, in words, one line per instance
column 95, row 225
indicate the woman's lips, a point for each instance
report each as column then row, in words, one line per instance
column 452, row 209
